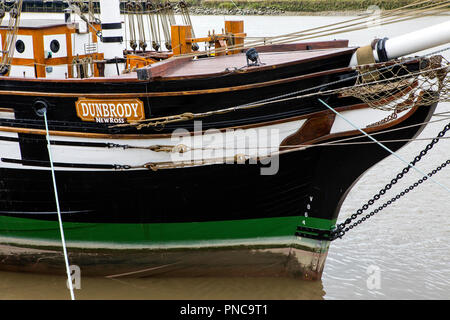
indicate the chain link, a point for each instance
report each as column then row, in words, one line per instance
column 350, row 223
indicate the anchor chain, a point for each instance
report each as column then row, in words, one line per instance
column 342, row 228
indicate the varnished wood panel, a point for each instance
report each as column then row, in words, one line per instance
column 313, row 128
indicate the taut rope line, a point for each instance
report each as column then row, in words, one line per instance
column 382, row 145
column 61, row 228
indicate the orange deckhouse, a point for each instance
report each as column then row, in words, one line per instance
column 53, row 49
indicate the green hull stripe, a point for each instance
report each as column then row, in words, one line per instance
column 316, row 223
column 157, row 233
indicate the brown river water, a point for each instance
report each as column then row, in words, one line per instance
column 406, row 246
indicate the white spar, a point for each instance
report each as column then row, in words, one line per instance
column 412, row 42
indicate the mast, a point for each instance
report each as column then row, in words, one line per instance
column 112, row 36
column 386, row 49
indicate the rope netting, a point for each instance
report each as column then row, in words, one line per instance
column 401, row 84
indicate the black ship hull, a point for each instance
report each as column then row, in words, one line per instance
column 129, row 192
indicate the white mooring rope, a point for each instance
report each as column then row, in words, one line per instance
column 66, row 259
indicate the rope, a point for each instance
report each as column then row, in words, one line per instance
column 238, row 158
column 61, row 228
column 381, row 145
column 140, row 26
column 77, row 6
column 181, row 148
column 389, row 17
column 11, row 36
column 166, row 19
column 133, row 43
column 392, row 16
column 187, row 21
column 153, row 27
column 2, row 11
column 82, row 67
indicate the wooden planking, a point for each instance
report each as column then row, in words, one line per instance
column 314, row 45
column 313, row 128
column 271, row 60
column 161, row 68
column 69, row 53
column 179, row 35
column 39, row 56
column 175, row 93
column 164, row 68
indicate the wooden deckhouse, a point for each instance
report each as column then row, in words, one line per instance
column 53, row 49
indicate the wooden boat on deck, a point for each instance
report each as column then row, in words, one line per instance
column 153, row 167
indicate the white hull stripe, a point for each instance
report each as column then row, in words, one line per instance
column 77, row 153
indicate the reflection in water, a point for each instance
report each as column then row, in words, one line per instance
column 31, row 286
column 408, row 242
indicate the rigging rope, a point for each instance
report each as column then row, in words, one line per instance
column 380, row 144
column 388, row 17
column 160, row 18
column 131, row 7
column 165, row 16
column 429, row 84
column 153, row 27
column 11, row 36
column 405, row 13
column 78, row 6
column 140, row 26
column 182, row 148
column 187, row 21
column 2, row 11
